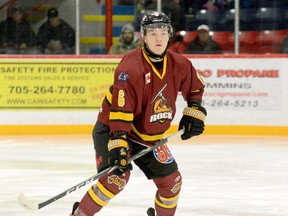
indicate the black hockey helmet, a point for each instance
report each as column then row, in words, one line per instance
column 155, row 19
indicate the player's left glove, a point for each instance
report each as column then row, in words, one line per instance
column 192, row 120
column 118, row 146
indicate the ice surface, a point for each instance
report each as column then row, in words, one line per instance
column 222, row 176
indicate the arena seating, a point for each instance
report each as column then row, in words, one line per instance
column 269, row 41
column 250, row 42
column 245, row 17
column 225, row 40
column 272, row 37
column 269, row 18
column 214, row 19
column 271, row 3
column 261, row 26
column 248, row 37
column 285, row 19
column 230, row 20
column 250, row 19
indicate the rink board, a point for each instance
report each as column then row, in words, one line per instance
column 245, row 94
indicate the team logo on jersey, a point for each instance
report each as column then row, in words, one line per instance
column 147, row 77
column 161, row 108
column 123, row 77
column 114, row 179
column 176, row 187
column 163, row 154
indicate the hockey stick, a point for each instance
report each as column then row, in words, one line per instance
column 32, row 205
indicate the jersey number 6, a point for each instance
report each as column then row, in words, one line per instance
column 121, row 99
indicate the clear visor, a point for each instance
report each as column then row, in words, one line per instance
column 158, row 25
column 154, row 26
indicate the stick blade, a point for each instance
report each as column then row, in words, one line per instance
column 27, row 204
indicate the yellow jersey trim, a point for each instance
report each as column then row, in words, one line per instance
column 95, row 198
column 200, row 78
column 171, row 198
column 153, row 68
column 146, row 137
column 165, row 205
column 105, row 191
column 109, row 96
column 121, row 116
column 117, row 143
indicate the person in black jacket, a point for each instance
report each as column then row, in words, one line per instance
column 55, row 36
column 16, row 35
column 203, row 43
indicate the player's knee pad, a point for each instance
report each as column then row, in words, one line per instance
column 168, row 190
column 114, row 183
column 107, row 188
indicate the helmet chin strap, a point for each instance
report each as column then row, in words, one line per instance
column 153, row 55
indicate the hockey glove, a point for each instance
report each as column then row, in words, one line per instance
column 118, row 146
column 192, row 120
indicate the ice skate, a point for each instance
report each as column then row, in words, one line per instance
column 151, row 212
column 75, row 206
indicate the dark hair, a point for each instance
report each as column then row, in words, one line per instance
column 52, row 12
column 16, row 8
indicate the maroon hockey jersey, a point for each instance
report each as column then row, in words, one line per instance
column 142, row 99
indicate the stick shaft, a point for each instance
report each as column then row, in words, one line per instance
column 104, row 172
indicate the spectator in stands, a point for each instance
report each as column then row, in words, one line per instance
column 16, row 35
column 55, row 36
column 215, row 5
column 174, row 11
column 203, row 43
column 192, row 6
column 177, row 44
column 284, row 46
column 128, row 41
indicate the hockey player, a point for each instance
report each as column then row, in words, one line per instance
column 137, row 111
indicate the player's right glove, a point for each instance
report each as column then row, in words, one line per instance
column 118, row 146
column 192, row 120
